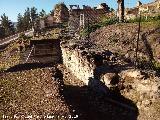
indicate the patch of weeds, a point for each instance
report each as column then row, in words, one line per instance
column 156, row 65
column 94, row 27
column 144, row 19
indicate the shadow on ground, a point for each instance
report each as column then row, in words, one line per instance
column 89, row 104
column 28, row 66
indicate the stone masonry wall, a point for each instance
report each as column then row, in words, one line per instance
column 78, row 64
column 46, row 51
column 103, row 72
column 61, row 13
column 91, row 16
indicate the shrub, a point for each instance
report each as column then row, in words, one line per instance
column 24, row 37
column 156, row 65
column 109, row 21
column 144, row 19
column 94, row 27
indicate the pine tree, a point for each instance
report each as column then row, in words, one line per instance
column 42, row 14
column 7, row 25
column 20, row 24
column 2, row 32
column 34, row 15
column 27, row 19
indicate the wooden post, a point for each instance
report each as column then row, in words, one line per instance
column 137, row 47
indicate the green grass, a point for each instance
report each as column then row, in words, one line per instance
column 156, row 65
column 92, row 28
column 144, row 19
column 151, row 24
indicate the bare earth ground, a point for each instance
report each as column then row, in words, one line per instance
column 121, row 38
column 46, row 91
column 36, row 94
column 31, row 93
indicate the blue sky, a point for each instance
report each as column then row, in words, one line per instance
column 13, row 7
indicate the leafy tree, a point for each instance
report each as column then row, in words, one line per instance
column 42, row 14
column 7, row 25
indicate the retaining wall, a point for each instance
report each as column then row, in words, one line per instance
column 46, row 51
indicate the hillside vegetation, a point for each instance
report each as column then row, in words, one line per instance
column 121, row 38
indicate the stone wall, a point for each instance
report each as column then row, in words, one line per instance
column 150, row 9
column 80, row 18
column 105, row 72
column 46, row 51
column 82, row 62
column 78, row 64
column 61, row 13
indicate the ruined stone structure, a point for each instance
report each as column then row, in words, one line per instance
column 120, row 12
column 80, row 64
column 49, row 21
column 61, row 13
column 75, row 6
column 79, row 18
column 131, row 13
column 46, row 51
column 150, row 9
column 83, row 64
column 139, row 3
column 89, row 67
column 103, row 6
